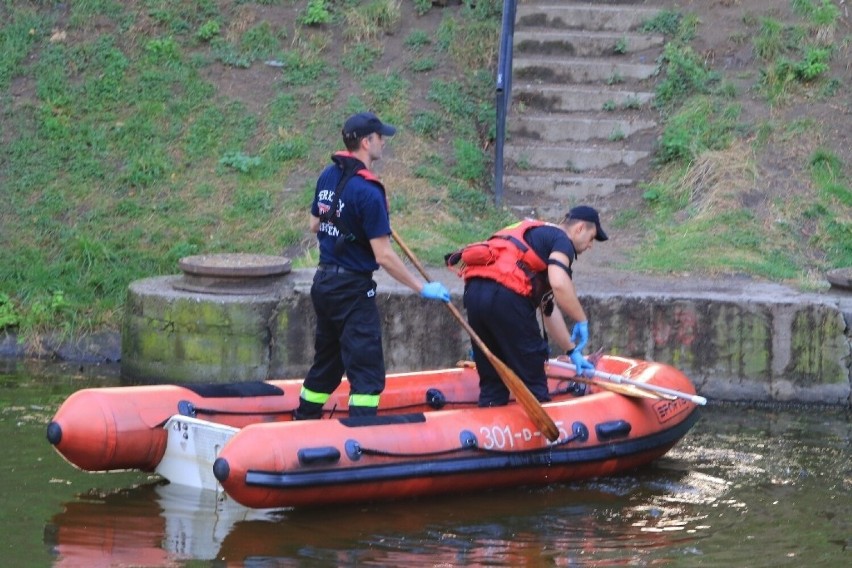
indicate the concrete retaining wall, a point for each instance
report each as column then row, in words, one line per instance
column 734, row 350
column 171, row 335
column 737, row 339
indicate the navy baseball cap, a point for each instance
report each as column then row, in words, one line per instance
column 590, row 214
column 365, row 123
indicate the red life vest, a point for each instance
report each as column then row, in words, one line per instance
column 505, row 257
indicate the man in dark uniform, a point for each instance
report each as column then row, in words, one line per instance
column 527, row 265
column 350, row 216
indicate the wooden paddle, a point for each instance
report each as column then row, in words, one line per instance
column 512, row 381
column 621, row 379
column 625, row 390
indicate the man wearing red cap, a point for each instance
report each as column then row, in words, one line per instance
column 507, row 278
column 350, row 216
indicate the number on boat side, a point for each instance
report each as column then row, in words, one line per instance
column 502, row 437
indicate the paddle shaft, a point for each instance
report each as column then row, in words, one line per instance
column 621, row 379
column 626, row 390
column 512, row 381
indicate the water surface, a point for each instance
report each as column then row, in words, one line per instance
column 745, row 487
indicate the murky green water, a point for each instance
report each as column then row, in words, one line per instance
column 743, row 488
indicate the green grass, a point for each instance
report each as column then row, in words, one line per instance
column 729, row 242
column 834, row 194
column 123, row 156
column 706, row 161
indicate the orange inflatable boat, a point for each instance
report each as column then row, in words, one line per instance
column 416, row 453
column 120, row 428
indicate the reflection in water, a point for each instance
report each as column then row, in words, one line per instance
column 717, row 499
column 148, row 525
column 161, row 524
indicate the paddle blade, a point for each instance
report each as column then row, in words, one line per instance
column 525, row 398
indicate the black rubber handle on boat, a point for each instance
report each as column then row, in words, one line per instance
column 512, row 381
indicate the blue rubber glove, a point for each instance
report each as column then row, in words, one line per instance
column 583, row 366
column 435, row 291
column 580, row 335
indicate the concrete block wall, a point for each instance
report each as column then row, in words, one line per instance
column 737, row 341
column 735, row 349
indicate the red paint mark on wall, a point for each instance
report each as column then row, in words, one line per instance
column 686, row 320
column 680, row 329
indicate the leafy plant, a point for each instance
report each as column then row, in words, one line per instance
column 685, row 75
column 208, row 30
column 814, row 64
column 259, row 41
column 666, row 22
column 163, row 50
column 316, row 13
column 44, row 313
column 777, row 79
column 422, row 6
column 9, row 316
column 240, row 162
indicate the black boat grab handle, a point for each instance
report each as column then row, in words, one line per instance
column 612, row 429
column 326, row 455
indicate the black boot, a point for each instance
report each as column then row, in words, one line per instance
column 307, row 410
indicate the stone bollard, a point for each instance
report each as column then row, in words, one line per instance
column 231, row 318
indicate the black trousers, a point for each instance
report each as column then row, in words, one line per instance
column 348, row 334
column 507, row 323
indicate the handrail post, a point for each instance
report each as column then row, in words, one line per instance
column 503, row 93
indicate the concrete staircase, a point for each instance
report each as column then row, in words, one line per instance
column 580, row 126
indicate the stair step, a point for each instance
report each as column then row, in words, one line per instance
column 570, row 129
column 579, row 69
column 570, row 159
column 570, row 70
column 554, row 98
column 583, row 44
column 563, row 186
column 589, row 17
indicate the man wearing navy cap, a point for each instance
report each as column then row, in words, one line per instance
column 527, row 266
column 350, row 216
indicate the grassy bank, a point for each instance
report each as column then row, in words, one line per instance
column 716, row 205
column 136, row 133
